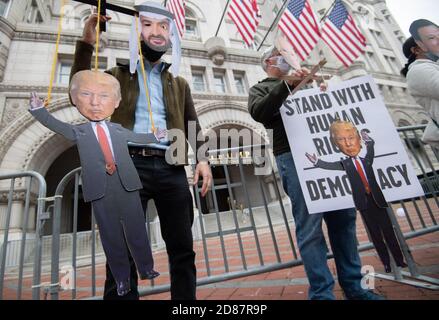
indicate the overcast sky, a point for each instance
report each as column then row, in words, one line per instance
column 406, row 11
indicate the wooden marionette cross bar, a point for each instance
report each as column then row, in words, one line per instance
column 108, row 6
column 314, row 77
column 311, row 76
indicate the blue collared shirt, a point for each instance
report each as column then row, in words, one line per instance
column 142, row 122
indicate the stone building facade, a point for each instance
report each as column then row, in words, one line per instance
column 220, row 70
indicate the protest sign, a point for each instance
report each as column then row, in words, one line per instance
column 307, row 116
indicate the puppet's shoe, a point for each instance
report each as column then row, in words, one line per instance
column 387, row 268
column 123, row 287
column 402, row 265
column 149, row 275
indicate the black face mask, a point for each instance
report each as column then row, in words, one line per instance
column 150, row 54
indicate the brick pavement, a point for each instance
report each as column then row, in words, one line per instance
column 286, row 284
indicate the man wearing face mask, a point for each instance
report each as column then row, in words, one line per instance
column 423, row 74
column 426, row 35
column 172, row 108
column 264, row 102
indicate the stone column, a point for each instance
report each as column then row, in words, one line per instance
column 7, row 31
column 17, row 214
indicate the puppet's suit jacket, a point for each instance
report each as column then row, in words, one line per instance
column 358, row 189
column 91, row 156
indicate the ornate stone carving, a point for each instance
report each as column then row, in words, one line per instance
column 26, row 88
column 357, row 68
column 12, row 132
column 3, row 59
column 7, row 28
column 66, row 39
column 222, row 97
column 215, row 105
column 13, row 108
column 18, row 195
column 216, row 50
column 243, row 59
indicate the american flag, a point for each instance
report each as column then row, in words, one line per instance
column 299, row 24
column 342, row 35
column 177, row 8
column 245, row 14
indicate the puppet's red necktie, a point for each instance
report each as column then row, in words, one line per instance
column 362, row 175
column 110, row 167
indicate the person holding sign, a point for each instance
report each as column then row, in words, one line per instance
column 367, row 194
column 423, row 74
column 109, row 179
column 264, row 102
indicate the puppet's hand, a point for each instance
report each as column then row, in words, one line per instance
column 312, row 158
column 35, row 102
column 160, row 133
column 365, row 135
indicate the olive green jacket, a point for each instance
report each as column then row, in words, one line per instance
column 180, row 110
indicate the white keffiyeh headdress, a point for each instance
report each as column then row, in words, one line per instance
column 155, row 11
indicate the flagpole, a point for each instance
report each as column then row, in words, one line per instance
column 164, row 3
column 274, row 22
column 327, row 11
column 222, row 17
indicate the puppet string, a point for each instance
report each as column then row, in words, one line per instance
column 144, row 75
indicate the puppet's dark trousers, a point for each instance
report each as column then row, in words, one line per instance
column 122, row 229
column 167, row 185
column 380, row 228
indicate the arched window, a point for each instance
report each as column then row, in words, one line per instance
column 33, row 14
column 4, row 7
column 191, row 25
column 403, row 123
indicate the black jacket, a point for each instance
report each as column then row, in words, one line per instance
column 264, row 101
column 180, row 109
